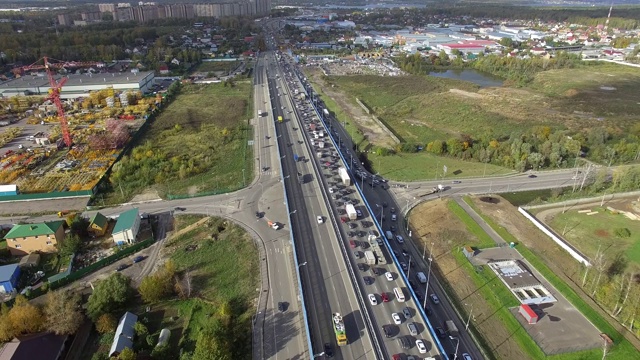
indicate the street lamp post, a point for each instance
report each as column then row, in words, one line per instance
column 380, row 207
column 293, row 212
column 301, row 265
column 243, row 179
column 316, row 355
column 455, row 354
column 466, row 327
column 409, row 267
column 426, row 291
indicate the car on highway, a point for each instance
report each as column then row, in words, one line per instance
column 344, row 219
column 466, row 356
column 404, row 252
column 399, row 239
column 328, row 351
column 357, row 254
column 353, row 225
column 330, row 190
column 403, row 266
column 368, row 280
column 389, row 276
column 422, row 349
column 387, row 331
column 320, row 219
column 396, row 318
column 372, row 299
column 434, row 299
column 413, row 328
column 406, row 312
column 393, row 210
column 385, row 297
column 394, row 217
column 441, row 333
column 376, row 271
column 361, row 267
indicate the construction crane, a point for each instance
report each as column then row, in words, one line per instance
column 56, row 87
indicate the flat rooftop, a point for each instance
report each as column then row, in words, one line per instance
column 87, row 79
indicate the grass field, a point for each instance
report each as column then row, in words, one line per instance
column 223, row 67
column 224, row 268
column 426, row 166
column 198, row 144
column 588, row 232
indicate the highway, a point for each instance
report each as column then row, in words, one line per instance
column 326, row 282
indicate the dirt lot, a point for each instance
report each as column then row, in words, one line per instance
column 371, row 130
column 434, row 223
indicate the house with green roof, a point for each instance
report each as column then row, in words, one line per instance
column 127, row 227
column 29, row 238
column 98, row 224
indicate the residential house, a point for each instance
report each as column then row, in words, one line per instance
column 98, row 224
column 124, row 334
column 164, row 69
column 28, row 238
column 9, row 275
column 127, row 227
column 41, row 346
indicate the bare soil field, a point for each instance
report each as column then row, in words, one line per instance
column 433, row 222
column 369, row 128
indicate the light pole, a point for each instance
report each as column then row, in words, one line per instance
column 293, row 212
column 316, row 355
column 466, row 327
column 455, row 354
column 301, row 265
column 409, row 267
column 426, row 291
column 380, row 207
column 243, row 178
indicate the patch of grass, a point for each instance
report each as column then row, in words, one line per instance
column 522, row 198
column 621, row 350
column 217, row 66
column 485, row 240
column 587, row 232
column 426, row 166
column 198, row 144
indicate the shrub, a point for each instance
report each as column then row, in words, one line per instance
column 623, row 233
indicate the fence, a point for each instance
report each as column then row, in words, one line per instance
column 557, row 239
column 387, row 129
column 49, row 195
column 100, row 264
column 63, row 274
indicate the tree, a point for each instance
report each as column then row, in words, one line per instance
column 208, row 345
column 161, row 352
column 109, row 295
column 140, row 330
column 127, row 354
column 62, row 312
column 71, row 244
column 79, row 226
column 159, row 285
column 100, row 356
column 106, row 323
column 6, row 330
column 25, row 317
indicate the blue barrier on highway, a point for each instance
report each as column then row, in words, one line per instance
column 378, row 226
column 293, row 246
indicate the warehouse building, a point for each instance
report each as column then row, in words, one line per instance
column 78, row 85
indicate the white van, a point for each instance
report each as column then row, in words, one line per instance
column 399, row 294
column 421, row 277
column 389, row 235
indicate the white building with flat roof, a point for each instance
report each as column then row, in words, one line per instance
column 77, row 85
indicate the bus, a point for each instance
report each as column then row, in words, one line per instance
column 399, row 294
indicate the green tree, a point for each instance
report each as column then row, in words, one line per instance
column 100, row 356
column 70, row 244
column 159, row 285
column 62, row 311
column 127, row 354
column 140, row 330
column 109, row 295
column 106, row 323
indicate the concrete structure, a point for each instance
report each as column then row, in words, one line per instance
column 522, row 283
column 127, row 227
column 65, row 19
column 78, row 85
column 98, row 224
column 529, row 315
column 28, row 238
column 9, row 275
column 41, row 346
column 124, row 334
column 7, row 190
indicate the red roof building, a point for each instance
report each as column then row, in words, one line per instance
column 528, row 314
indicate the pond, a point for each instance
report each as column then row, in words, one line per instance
column 479, row 78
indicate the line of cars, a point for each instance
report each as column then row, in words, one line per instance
column 359, row 229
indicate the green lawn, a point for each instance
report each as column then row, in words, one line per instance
column 588, row 232
column 485, row 241
column 197, row 145
column 224, row 269
column 217, row 66
column 427, row 166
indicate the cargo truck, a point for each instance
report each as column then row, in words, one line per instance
column 351, row 212
column 302, row 96
column 451, row 328
column 374, row 244
column 369, row 257
column 344, row 175
column 320, row 133
column 339, row 330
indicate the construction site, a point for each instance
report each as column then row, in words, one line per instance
column 53, row 143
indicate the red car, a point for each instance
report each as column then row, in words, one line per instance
column 385, row 297
column 344, row 219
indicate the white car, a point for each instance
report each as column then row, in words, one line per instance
column 435, row 299
column 320, row 219
column 466, row 356
column 396, row 318
column 394, row 217
column 389, row 276
column 330, row 190
column 399, row 239
column 373, row 300
column 422, row 349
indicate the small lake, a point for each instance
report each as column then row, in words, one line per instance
column 470, row 75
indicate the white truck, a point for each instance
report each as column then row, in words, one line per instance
column 321, row 144
column 351, row 212
column 320, row 154
column 369, row 257
column 326, row 112
column 259, row 113
column 436, row 189
column 320, row 133
column 344, row 175
column 374, row 244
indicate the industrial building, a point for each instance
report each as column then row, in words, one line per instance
column 78, row 85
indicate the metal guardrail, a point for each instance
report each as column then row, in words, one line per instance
column 343, row 248
column 379, row 227
column 293, row 244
